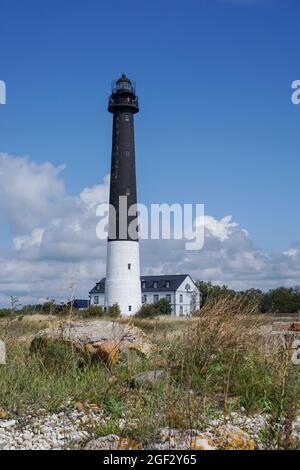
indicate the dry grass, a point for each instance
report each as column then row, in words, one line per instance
column 216, row 364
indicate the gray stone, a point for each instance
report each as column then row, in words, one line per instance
column 89, row 337
column 7, row 424
column 27, row 436
column 109, row 442
column 149, row 379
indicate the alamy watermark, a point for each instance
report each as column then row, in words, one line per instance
column 296, row 93
column 160, row 221
column 296, row 352
column 2, row 352
column 2, row 92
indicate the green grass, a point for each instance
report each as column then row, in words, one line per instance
column 215, row 366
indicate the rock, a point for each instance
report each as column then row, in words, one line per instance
column 226, row 437
column 109, row 442
column 3, row 413
column 149, row 380
column 286, row 326
column 27, row 436
column 79, row 406
column 280, row 334
column 229, row 437
column 96, row 339
column 190, row 439
column 295, row 326
column 7, row 424
column 112, row 442
column 108, row 351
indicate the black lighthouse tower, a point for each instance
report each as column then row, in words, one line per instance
column 123, row 265
column 123, row 103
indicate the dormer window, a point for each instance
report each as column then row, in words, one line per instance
column 168, row 284
column 155, row 284
column 143, row 284
column 98, row 287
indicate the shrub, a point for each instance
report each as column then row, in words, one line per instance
column 163, row 307
column 5, row 312
column 114, row 311
column 92, row 311
column 147, row 311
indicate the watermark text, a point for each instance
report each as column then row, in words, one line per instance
column 296, row 94
column 2, row 92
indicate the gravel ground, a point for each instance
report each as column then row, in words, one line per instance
column 65, row 429
column 72, row 428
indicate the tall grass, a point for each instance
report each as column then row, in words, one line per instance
column 223, row 359
column 215, row 363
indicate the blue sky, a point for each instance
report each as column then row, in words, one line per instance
column 216, row 126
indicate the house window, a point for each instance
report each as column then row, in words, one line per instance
column 181, row 310
column 144, row 299
column 181, row 298
column 155, row 284
column 129, row 308
column 168, row 284
column 127, row 153
column 155, row 298
column 98, row 287
column 96, row 299
column 143, row 285
column 168, row 297
column 129, row 266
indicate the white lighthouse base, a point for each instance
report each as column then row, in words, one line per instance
column 123, row 284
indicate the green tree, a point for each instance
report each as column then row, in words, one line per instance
column 282, row 299
column 211, row 292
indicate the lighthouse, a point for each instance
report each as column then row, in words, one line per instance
column 122, row 285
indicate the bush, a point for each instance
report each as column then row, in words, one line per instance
column 147, row 311
column 114, row 311
column 92, row 311
column 5, row 312
column 163, row 307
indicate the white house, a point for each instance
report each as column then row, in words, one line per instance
column 179, row 289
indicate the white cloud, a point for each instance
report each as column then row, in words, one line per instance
column 54, row 241
column 220, row 229
column 29, row 193
column 26, row 241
